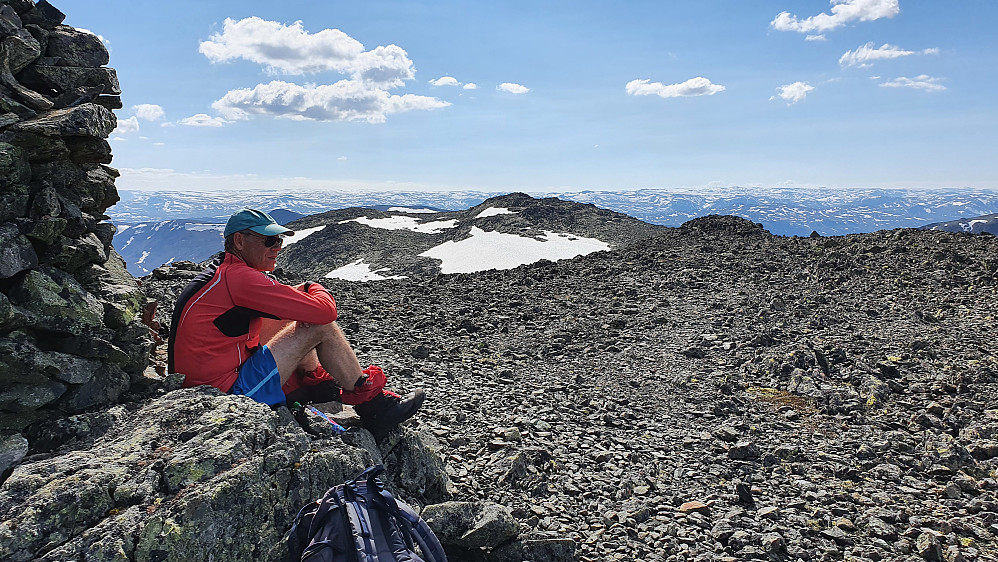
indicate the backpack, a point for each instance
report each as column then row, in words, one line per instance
column 360, row 521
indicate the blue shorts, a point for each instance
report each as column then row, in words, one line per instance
column 259, row 379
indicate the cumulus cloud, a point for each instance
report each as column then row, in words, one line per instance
column 793, row 93
column 125, row 126
column 346, row 100
column 148, row 112
column 445, row 81
column 203, row 120
column 698, row 86
column 843, row 12
column 470, row 86
column 512, row 88
column 290, row 49
column 865, row 55
column 921, row 82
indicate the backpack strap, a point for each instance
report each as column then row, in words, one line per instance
column 331, row 501
column 433, row 551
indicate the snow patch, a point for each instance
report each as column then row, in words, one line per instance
column 300, row 235
column 493, row 211
column 359, row 271
column 405, row 223
column 198, row 227
column 496, row 250
column 410, row 210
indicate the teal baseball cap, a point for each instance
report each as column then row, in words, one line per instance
column 257, row 221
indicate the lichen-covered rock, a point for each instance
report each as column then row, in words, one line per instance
column 57, row 302
column 85, row 120
column 76, row 47
column 12, row 450
column 471, row 525
column 191, row 473
column 14, row 168
column 62, row 79
column 535, row 549
column 416, row 462
column 16, row 251
column 22, row 49
column 122, row 297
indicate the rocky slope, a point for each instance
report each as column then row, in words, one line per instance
column 714, row 393
column 972, row 225
column 367, row 235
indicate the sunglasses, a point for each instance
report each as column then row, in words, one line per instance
column 268, row 241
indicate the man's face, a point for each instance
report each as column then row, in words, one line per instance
column 255, row 252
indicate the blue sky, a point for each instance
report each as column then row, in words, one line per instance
column 551, row 96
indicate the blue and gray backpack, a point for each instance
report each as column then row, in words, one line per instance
column 360, row 521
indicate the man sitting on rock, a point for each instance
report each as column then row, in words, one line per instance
column 224, row 315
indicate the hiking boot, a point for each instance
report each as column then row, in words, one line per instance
column 385, row 411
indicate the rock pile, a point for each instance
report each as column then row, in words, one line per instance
column 69, row 339
column 715, row 393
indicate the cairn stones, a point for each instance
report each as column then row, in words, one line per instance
column 69, row 327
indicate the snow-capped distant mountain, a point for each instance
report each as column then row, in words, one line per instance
column 973, row 225
column 783, row 211
column 501, row 233
column 148, row 245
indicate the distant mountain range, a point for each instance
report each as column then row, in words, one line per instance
column 974, row 225
column 156, row 227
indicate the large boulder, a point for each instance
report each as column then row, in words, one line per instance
column 16, row 251
column 85, row 120
column 76, row 47
column 192, row 474
column 57, row 302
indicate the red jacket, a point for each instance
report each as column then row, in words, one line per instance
column 216, row 323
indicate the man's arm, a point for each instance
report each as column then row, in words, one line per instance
column 259, row 292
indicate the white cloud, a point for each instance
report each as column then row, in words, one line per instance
column 512, row 88
column 793, row 93
column 148, row 112
column 820, row 37
column 921, row 82
column 445, row 81
column 342, row 158
column 843, row 12
column 290, row 49
column 698, row 86
column 346, row 100
column 203, row 120
column 125, row 126
column 864, row 55
column 470, row 86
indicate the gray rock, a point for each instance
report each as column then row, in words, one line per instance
column 86, row 120
column 28, row 397
column 70, row 78
column 14, row 170
column 76, row 48
column 58, row 302
column 44, row 15
column 928, row 547
column 535, row 549
column 13, row 448
column 189, row 473
column 22, row 48
column 16, row 251
column 471, row 525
